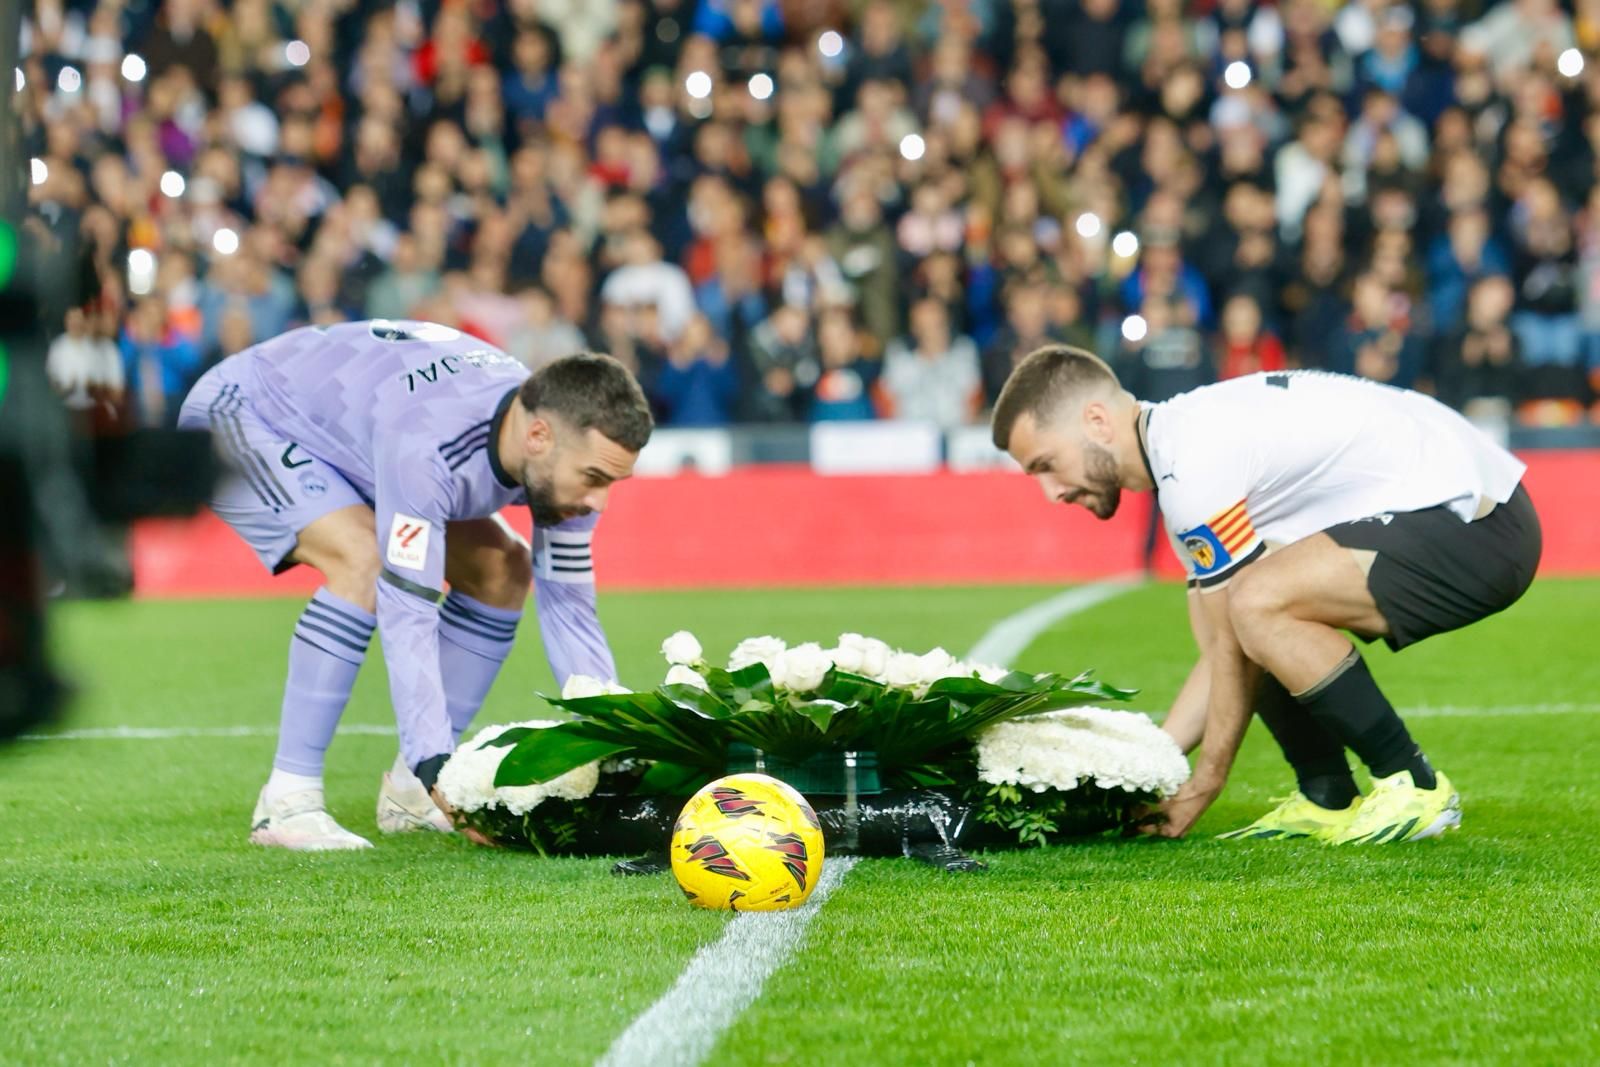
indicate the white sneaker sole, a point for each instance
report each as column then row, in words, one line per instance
column 397, row 820
column 1449, row 819
column 395, row 817
column 270, row 838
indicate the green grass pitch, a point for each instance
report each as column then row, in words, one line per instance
column 137, row 925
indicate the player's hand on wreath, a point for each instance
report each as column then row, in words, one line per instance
column 1174, row 816
column 477, row 837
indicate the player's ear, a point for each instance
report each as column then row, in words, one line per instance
column 541, row 435
column 1097, row 422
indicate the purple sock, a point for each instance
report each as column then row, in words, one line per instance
column 474, row 640
column 330, row 641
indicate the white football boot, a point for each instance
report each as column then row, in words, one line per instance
column 300, row 821
column 405, row 807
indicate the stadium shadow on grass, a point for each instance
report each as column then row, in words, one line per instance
column 137, row 924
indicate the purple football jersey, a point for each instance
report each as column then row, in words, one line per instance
column 410, row 413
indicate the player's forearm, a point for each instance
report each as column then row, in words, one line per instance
column 410, row 630
column 1227, row 712
column 1186, row 720
column 1230, row 685
column 574, row 641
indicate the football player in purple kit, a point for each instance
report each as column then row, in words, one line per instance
column 380, row 453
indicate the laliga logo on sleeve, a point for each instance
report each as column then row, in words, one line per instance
column 408, row 541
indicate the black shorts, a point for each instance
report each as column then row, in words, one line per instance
column 1435, row 573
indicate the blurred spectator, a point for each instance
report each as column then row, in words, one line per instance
column 1545, row 260
column 1027, row 327
column 783, row 362
column 1246, row 347
column 404, row 285
column 864, row 248
column 697, row 385
column 85, row 369
column 1163, row 353
column 844, row 388
column 645, row 278
column 1377, row 342
column 158, row 364
column 1163, row 273
column 542, row 335
column 1479, row 360
column 1464, row 254
column 1512, row 34
column 932, row 375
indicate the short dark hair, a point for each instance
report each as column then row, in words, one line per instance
column 591, row 391
column 1045, row 377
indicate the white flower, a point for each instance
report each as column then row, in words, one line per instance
column 682, row 675
column 802, row 668
column 847, row 658
column 934, row 665
column 574, row 785
column 866, row 656
column 756, row 650
column 990, row 672
column 467, row 780
column 1063, row 749
column 682, row 647
column 903, row 670
column 581, row 685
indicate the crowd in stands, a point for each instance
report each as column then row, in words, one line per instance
column 790, row 210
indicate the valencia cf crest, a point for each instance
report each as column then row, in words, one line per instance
column 1201, row 552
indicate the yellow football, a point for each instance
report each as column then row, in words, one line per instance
column 747, row 842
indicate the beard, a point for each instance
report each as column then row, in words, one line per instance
column 541, row 502
column 1105, row 487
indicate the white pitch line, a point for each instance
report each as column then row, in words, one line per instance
column 721, row 981
column 1007, row 639
column 168, row 733
column 1463, row 711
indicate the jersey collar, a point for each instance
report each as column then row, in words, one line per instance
column 500, row 473
column 1142, row 432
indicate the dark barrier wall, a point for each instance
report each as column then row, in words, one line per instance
column 787, row 526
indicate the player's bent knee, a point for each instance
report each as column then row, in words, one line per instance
column 511, row 574
column 1254, row 604
column 498, row 576
column 352, row 573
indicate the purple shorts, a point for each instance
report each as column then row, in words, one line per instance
column 271, row 487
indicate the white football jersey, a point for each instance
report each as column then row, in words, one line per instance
column 1275, row 457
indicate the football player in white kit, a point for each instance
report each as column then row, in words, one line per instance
column 1305, row 504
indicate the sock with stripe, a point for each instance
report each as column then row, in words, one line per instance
column 1349, row 703
column 330, row 641
column 474, row 640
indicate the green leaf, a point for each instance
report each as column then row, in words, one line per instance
column 551, row 752
column 820, row 712
column 671, row 779
column 741, row 686
column 849, row 688
column 693, row 698
column 508, row 737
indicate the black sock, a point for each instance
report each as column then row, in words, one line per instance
column 1332, row 791
column 1317, row 756
column 1349, row 703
